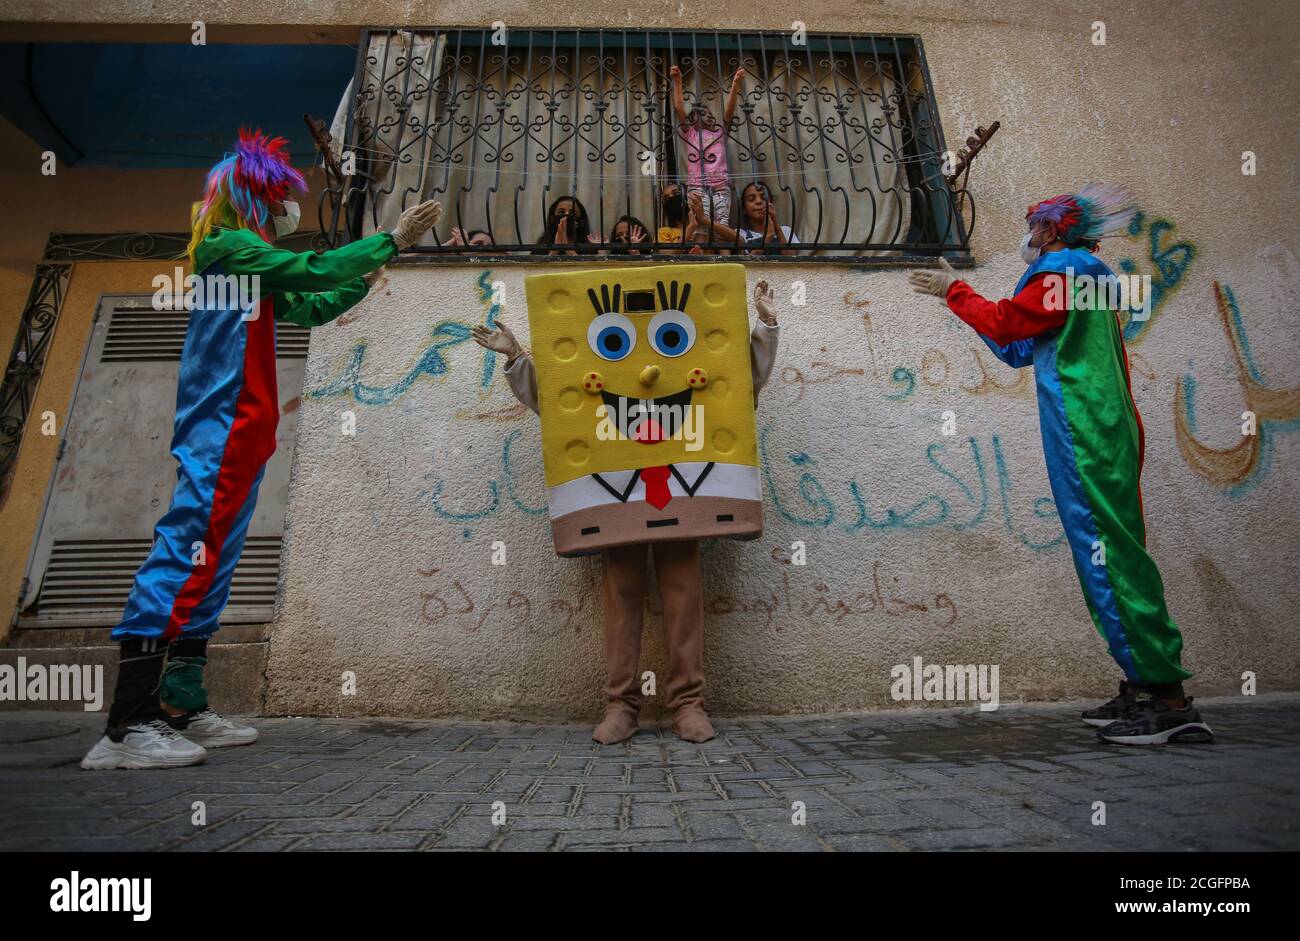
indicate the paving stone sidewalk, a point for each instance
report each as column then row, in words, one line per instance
column 1024, row 777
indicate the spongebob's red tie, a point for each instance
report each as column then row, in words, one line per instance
column 656, row 486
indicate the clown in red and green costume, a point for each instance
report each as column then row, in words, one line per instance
column 227, row 410
column 1058, row 320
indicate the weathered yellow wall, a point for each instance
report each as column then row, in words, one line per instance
column 35, row 205
column 73, row 200
column 21, row 512
column 76, row 201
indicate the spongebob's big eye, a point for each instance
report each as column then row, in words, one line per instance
column 672, row 333
column 611, row 336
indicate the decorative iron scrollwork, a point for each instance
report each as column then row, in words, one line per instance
column 843, row 130
column 26, row 361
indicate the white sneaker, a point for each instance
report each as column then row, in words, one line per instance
column 213, row 730
column 151, row 744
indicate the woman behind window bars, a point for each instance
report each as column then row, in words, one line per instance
column 568, row 229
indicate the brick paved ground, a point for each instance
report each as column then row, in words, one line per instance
column 1024, row 777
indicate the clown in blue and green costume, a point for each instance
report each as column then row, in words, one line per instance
column 1092, row 433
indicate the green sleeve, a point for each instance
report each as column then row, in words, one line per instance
column 312, row 310
column 283, row 271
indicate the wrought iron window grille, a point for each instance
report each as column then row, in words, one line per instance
column 842, row 131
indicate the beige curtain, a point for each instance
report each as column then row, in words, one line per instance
column 397, row 105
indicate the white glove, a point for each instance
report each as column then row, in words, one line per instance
column 500, row 340
column 416, row 221
column 764, row 297
column 934, row 281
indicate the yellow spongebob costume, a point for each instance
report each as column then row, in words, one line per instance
column 646, row 387
column 647, row 404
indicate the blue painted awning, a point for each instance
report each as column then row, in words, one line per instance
column 161, row 105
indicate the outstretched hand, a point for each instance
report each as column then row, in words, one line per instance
column 500, row 340
column 934, row 281
column 764, row 299
column 415, row 222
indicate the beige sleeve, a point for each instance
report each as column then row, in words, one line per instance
column 523, row 380
column 762, row 353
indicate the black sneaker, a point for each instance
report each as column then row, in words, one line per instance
column 1116, row 709
column 1155, row 722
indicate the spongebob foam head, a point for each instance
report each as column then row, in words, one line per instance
column 647, row 404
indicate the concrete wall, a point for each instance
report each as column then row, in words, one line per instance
column 387, row 560
column 917, row 543
column 389, row 536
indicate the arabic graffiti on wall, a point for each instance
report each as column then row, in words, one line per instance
column 1170, row 263
column 446, row 601
column 1237, row 467
column 432, row 362
column 1233, row 468
column 972, row 488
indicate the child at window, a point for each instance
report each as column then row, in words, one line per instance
column 759, row 226
column 672, row 213
column 568, row 231
column 629, row 231
column 706, row 147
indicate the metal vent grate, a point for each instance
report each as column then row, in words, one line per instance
column 143, row 335
column 95, row 575
column 291, row 340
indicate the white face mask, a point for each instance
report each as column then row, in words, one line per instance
column 1028, row 253
column 287, row 223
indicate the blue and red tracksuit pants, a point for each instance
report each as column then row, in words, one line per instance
column 227, row 411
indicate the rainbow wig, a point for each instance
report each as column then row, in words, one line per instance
column 1097, row 210
column 242, row 187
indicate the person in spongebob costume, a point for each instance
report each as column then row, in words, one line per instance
column 649, row 444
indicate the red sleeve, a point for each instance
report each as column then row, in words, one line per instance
column 1018, row 318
